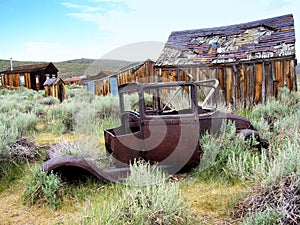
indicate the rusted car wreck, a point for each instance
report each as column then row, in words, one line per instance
column 162, row 126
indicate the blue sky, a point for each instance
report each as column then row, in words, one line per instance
column 57, row 30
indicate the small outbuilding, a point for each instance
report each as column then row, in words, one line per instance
column 30, row 76
column 55, row 87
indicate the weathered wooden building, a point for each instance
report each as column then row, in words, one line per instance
column 251, row 60
column 30, row 76
column 137, row 72
column 55, row 87
column 72, row 80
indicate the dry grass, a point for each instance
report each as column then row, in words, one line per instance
column 210, row 201
column 13, row 211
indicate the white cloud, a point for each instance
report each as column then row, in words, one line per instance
column 84, row 8
column 107, row 0
column 123, row 22
column 86, row 16
column 157, row 20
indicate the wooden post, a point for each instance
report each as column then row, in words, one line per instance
column 293, row 75
column 198, row 74
column 287, row 74
column 234, row 94
column 229, row 84
column 258, row 83
column 250, row 84
column 221, row 78
column 263, row 92
column 237, row 75
column 279, row 73
column 268, row 78
column 243, row 85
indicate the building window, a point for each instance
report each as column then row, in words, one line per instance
column 37, row 80
column 22, row 80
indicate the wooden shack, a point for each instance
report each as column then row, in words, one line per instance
column 72, row 80
column 30, row 76
column 251, row 60
column 55, row 87
column 137, row 72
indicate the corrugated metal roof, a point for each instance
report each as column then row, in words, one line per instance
column 262, row 39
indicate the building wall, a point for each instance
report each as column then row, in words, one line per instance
column 57, row 91
column 13, row 79
column 247, row 83
column 141, row 73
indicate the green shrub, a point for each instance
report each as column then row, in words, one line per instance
column 107, row 106
column 275, row 171
column 49, row 101
column 83, row 114
column 286, row 162
column 26, row 124
column 268, row 217
column 147, row 198
column 42, row 188
column 220, row 154
column 79, row 95
column 10, row 171
column 7, row 137
column 60, row 117
column 84, row 146
column 17, row 116
column 248, row 166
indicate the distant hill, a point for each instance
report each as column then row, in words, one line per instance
column 77, row 67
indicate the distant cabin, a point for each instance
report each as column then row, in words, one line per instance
column 251, row 60
column 72, row 80
column 30, row 76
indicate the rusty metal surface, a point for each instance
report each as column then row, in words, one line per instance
column 169, row 138
column 73, row 165
column 156, row 132
column 76, row 167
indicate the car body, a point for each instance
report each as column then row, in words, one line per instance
column 162, row 123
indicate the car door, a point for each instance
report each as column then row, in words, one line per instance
column 170, row 125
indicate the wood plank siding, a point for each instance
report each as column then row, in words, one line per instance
column 30, row 76
column 55, row 87
column 251, row 60
column 137, row 72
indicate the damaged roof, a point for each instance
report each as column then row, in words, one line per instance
column 30, row 68
column 262, row 39
column 53, row 81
